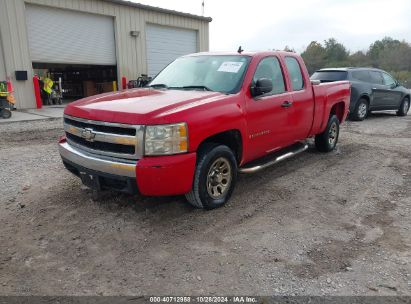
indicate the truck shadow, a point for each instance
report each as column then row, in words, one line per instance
column 139, row 203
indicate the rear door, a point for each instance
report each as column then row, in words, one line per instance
column 301, row 111
column 392, row 96
column 266, row 115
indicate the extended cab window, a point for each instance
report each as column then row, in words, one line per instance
column 294, row 70
column 270, row 68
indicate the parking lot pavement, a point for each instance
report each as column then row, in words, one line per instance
column 336, row 223
column 47, row 112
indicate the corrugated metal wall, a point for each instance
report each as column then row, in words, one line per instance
column 131, row 51
column 16, row 51
column 2, row 67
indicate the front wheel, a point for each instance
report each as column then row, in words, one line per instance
column 214, row 178
column 326, row 141
column 404, row 107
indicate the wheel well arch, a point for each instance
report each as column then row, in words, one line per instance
column 366, row 97
column 338, row 110
column 230, row 138
column 406, row 96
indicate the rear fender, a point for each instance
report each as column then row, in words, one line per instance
column 330, row 98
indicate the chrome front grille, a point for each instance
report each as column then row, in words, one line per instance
column 105, row 138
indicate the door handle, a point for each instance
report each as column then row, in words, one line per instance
column 287, row 104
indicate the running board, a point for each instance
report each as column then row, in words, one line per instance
column 273, row 159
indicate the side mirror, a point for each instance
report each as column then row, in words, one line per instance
column 394, row 85
column 262, row 86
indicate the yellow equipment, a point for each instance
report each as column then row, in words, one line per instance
column 6, row 99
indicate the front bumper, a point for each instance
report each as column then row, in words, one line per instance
column 89, row 161
column 154, row 176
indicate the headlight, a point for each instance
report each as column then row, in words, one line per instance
column 166, row 139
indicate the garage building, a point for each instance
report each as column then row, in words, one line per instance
column 91, row 44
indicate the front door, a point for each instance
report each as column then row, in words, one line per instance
column 267, row 114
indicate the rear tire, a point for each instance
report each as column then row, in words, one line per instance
column 404, row 107
column 361, row 110
column 326, row 141
column 214, row 177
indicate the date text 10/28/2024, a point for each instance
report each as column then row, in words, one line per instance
column 203, row 299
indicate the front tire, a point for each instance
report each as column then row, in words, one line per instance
column 326, row 141
column 214, row 178
column 404, row 107
column 361, row 110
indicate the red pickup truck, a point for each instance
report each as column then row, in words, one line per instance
column 202, row 120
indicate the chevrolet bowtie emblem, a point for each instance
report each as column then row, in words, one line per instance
column 88, row 134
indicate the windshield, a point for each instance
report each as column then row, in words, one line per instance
column 209, row 72
column 329, row 76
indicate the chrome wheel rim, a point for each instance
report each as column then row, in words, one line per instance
column 332, row 134
column 219, row 178
column 405, row 106
column 362, row 110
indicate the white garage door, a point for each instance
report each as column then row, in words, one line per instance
column 164, row 44
column 64, row 36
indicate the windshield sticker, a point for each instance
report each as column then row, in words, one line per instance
column 230, row 66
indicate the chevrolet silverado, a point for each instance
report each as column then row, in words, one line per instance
column 202, row 120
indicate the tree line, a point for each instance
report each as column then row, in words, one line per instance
column 391, row 55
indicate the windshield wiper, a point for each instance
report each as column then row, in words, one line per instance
column 201, row 87
column 158, row 85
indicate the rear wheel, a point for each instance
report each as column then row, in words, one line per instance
column 361, row 110
column 326, row 141
column 215, row 177
column 404, row 107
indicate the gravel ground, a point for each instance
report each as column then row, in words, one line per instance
column 318, row 224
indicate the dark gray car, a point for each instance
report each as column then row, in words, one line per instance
column 371, row 90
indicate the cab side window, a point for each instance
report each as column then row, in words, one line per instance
column 270, row 68
column 296, row 76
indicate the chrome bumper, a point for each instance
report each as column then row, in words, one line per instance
column 91, row 162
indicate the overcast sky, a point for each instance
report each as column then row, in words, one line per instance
column 265, row 24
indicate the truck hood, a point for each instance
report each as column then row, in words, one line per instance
column 139, row 106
